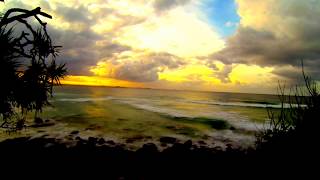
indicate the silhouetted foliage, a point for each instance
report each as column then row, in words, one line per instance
column 295, row 125
column 28, row 69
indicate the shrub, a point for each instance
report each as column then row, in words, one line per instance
column 296, row 125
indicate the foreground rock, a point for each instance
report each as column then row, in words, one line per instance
column 105, row 157
column 38, row 122
column 169, row 140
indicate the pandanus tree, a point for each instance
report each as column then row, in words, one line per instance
column 8, row 72
column 28, row 68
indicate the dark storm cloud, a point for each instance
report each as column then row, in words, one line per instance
column 72, row 40
column 77, row 49
column 263, row 48
column 78, row 61
column 289, row 74
column 290, row 35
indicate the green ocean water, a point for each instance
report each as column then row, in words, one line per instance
column 137, row 116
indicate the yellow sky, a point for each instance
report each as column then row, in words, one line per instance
column 181, row 33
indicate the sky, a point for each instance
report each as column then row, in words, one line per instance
column 208, row 45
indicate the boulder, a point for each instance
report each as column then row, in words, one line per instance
column 188, row 144
column 169, row 140
column 110, row 142
column 148, row 148
column 38, row 120
column 101, row 141
column 74, row 132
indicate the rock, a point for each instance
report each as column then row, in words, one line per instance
column 45, row 135
column 101, row 141
column 218, row 148
column 69, row 138
column 188, row 144
column 49, row 145
column 163, row 144
column 202, row 142
column 232, row 128
column 92, row 140
column 38, row 120
column 135, row 138
column 203, row 147
column 169, row 140
column 229, row 147
column 194, row 147
column 111, row 142
column 74, row 132
column 176, row 148
column 149, row 148
column 180, row 149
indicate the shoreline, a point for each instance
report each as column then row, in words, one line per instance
column 70, row 135
column 202, row 131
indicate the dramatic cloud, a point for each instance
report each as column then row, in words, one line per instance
column 175, row 43
column 143, row 69
column 95, row 32
column 276, row 33
column 177, row 32
column 223, row 75
column 70, row 14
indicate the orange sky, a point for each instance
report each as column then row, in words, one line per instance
column 236, row 45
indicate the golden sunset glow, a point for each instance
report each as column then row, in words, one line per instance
column 189, row 73
column 178, row 32
column 150, row 43
column 97, row 81
column 250, row 74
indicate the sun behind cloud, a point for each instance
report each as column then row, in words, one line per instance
column 231, row 45
column 178, row 32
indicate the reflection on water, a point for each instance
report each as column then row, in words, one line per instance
column 144, row 114
column 225, row 106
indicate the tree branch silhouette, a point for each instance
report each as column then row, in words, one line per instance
column 29, row 84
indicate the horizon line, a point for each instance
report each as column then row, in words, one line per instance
column 166, row 89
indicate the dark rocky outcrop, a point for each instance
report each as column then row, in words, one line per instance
column 97, row 156
column 169, row 140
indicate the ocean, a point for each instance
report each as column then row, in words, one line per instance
column 136, row 116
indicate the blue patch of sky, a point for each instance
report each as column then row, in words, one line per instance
column 222, row 14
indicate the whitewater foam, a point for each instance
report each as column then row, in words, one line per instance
column 235, row 119
column 162, row 106
column 241, row 104
column 84, row 99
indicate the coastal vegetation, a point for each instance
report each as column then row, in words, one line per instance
column 27, row 65
column 290, row 130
